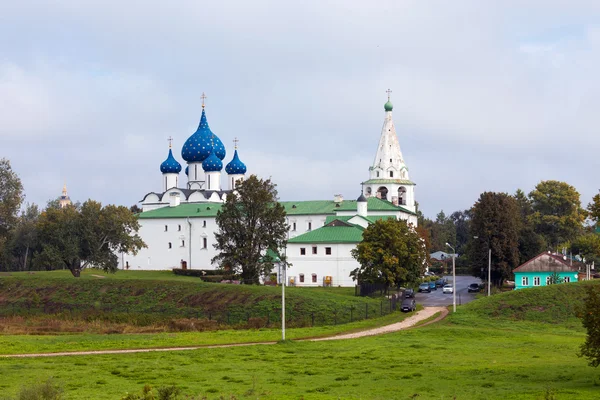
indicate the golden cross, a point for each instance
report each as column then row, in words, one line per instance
column 203, row 97
column 170, row 140
column 235, row 142
column 389, row 92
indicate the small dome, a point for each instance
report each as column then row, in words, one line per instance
column 361, row 199
column 200, row 145
column 235, row 166
column 212, row 163
column 187, row 170
column 388, row 106
column 170, row 165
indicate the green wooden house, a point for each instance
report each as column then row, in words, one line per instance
column 540, row 270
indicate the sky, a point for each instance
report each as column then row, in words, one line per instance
column 488, row 95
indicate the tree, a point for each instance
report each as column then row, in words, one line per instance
column 442, row 231
column 391, row 252
column 594, row 210
column 588, row 246
column 250, row 222
column 530, row 242
column 23, row 239
column 462, row 227
column 557, row 213
column 91, row 235
column 591, row 321
column 495, row 222
column 11, row 197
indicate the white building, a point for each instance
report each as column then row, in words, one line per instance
column 178, row 223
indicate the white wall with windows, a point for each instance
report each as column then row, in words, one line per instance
column 313, row 263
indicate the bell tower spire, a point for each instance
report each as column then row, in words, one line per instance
column 388, row 175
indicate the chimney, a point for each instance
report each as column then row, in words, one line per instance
column 338, row 198
column 395, row 200
column 174, row 199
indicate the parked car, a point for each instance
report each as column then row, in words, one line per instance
column 408, row 305
column 440, row 282
column 448, row 288
column 424, row 287
column 473, row 287
column 409, row 293
column 432, row 286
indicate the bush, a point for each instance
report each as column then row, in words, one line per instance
column 41, row 391
column 200, row 273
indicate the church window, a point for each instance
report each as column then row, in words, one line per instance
column 208, row 182
column 302, row 251
column 378, row 174
column 314, row 249
column 204, row 224
column 390, row 158
column 204, row 243
column 328, row 251
column 195, row 172
column 166, row 228
column 391, row 174
column 310, row 226
column 314, row 278
column 182, row 243
column 293, row 226
column 179, row 228
column 170, row 245
column 301, row 276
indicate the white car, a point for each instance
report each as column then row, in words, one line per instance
column 448, row 289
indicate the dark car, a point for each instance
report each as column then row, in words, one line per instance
column 409, row 293
column 473, row 287
column 440, row 282
column 408, row 305
column 424, row 287
column 432, row 286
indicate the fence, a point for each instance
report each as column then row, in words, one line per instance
column 248, row 317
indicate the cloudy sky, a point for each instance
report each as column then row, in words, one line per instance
column 488, row 95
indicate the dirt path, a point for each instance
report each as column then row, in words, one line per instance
column 425, row 313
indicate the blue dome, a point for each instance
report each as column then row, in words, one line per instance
column 170, row 165
column 235, row 166
column 200, row 145
column 212, row 163
column 187, row 170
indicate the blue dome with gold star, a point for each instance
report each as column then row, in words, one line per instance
column 170, row 165
column 235, row 166
column 212, row 163
column 202, row 143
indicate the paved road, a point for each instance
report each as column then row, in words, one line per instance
column 438, row 299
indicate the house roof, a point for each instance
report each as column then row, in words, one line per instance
column 331, row 207
column 191, row 210
column 384, row 181
column 546, row 262
column 331, row 234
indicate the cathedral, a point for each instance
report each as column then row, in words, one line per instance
column 178, row 222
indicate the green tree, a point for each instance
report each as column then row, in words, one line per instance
column 250, row 222
column 23, row 239
column 594, row 210
column 90, row 235
column 495, row 222
column 442, row 231
column 588, row 246
column 11, row 197
column 591, row 321
column 557, row 213
column 530, row 242
column 462, row 226
column 391, row 252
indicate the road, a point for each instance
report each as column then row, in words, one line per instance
column 438, row 299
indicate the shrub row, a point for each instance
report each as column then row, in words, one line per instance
column 200, row 273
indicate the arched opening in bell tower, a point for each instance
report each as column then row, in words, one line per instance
column 382, row 193
column 402, row 196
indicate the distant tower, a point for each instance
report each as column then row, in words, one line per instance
column 64, row 199
column 235, row 169
column 389, row 178
column 170, row 169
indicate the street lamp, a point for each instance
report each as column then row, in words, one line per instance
column 489, row 285
column 453, row 278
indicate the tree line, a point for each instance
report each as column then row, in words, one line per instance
column 516, row 228
column 72, row 237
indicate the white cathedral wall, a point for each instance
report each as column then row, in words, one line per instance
column 158, row 256
column 338, row 265
column 302, row 223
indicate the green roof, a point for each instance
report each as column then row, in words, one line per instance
column 331, row 234
column 191, row 210
column 384, row 181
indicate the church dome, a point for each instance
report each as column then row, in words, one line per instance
column 235, row 166
column 388, row 106
column 202, row 143
column 361, row 199
column 170, row 165
column 212, row 163
column 187, row 170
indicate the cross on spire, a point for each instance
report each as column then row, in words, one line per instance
column 389, row 92
column 203, row 97
column 170, row 140
column 235, row 142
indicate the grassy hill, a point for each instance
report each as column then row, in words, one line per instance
column 146, row 298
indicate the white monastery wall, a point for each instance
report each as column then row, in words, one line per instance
column 338, row 264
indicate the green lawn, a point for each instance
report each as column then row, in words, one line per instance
column 443, row 361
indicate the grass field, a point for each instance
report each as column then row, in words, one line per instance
column 517, row 345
